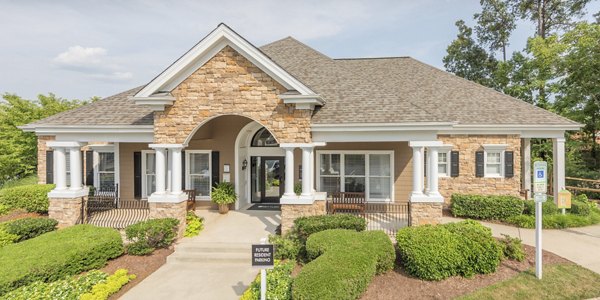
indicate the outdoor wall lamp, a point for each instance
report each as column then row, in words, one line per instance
column 244, row 164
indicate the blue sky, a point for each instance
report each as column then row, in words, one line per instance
column 79, row 49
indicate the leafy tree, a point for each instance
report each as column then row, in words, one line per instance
column 550, row 15
column 18, row 149
column 467, row 59
column 495, row 23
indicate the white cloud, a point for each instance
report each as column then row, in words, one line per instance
column 81, row 56
column 92, row 61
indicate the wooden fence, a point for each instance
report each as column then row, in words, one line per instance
column 590, row 187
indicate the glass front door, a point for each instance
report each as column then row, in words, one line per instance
column 267, row 180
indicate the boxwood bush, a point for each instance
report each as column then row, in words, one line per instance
column 548, row 208
column 32, row 198
column 436, row 252
column 286, row 247
column 27, row 228
column 57, row 254
column 146, row 236
column 486, row 207
column 305, row 226
column 344, row 263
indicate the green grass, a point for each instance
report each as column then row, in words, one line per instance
column 31, row 179
column 560, row 281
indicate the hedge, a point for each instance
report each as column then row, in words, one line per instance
column 57, row 254
column 556, row 221
column 345, row 262
column 436, row 252
column 32, row 198
column 27, row 228
column 548, row 208
column 486, row 207
column 287, row 247
column 305, row 226
column 279, row 283
column 146, row 236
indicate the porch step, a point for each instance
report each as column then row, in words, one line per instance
column 211, row 253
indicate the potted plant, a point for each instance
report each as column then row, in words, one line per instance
column 223, row 194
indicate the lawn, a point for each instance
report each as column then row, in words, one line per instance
column 31, row 179
column 560, row 281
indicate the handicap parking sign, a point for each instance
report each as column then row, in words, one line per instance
column 540, row 174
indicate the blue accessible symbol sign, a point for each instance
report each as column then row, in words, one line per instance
column 540, row 174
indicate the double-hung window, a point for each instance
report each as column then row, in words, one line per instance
column 148, row 173
column 443, row 164
column 368, row 172
column 198, row 172
column 106, row 170
column 494, row 160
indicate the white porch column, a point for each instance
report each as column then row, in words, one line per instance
column 526, row 177
column 289, row 172
column 558, row 146
column 75, row 161
column 432, row 175
column 60, row 166
column 417, row 166
column 312, row 170
column 175, row 154
column 160, row 170
column 306, row 177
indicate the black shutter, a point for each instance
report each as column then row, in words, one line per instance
column 49, row 167
column 89, row 168
column 509, row 169
column 183, row 170
column 479, row 164
column 137, row 175
column 454, row 166
column 215, row 167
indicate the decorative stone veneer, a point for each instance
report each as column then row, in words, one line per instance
column 67, row 211
column 467, row 182
column 229, row 84
column 41, row 156
column 423, row 213
column 169, row 210
column 290, row 212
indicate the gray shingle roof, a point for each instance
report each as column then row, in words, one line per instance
column 366, row 90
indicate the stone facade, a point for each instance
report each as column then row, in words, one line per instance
column 41, row 156
column 466, row 182
column 229, row 84
column 423, row 213
column 67, row 211
column 169, row 210
column 290, row 212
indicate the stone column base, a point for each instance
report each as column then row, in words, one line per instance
column 176, row 210
column 422, row 213
column 67, row 211
column 290, row 212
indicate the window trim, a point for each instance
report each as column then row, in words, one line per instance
column 493, row 148
column 367, row 176
column 188, row 180
column 96, row 164
column 144, row 177
column 447, row 150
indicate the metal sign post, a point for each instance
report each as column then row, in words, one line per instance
column 262, row 257
column 540, row 186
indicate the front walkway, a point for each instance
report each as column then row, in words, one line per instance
column 213, row 265
column 579, row 245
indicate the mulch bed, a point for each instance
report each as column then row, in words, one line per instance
column 397, row 284
column 19, row 214
column 141, row 266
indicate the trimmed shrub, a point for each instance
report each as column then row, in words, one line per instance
column 7, row 238
column 57, row 254
column 346, row 262
column 580, row 208
column 486, row 207
column 548, row 208
column 69, row 288
column 305, row 226
column 193, row 224
column 556, row 221
column 523, row 221
column 32, row 198
column 436, row 252
column 512, row 248
column 111, row 285
column 287, row 247
column 146, row 236
column 30, row 227
column 279, row 283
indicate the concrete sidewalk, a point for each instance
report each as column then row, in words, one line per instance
column 579, row 245
column 213, row 265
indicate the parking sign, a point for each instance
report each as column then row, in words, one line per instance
column 540, row 180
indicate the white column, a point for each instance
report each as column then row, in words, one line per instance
column 432, row 175
column 60, row 161
column 75, row 160
column 526, row 176
column 312, row 170
column 558, row 145
column 176, row 170
column 160, row 170
column 417, row 166
column 306, row 178
column 289, row 172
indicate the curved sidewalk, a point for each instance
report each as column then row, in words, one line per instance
column 213, row 265
column 579, row 245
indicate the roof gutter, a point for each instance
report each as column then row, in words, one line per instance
column 55, row 129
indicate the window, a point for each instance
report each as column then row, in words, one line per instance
column 263, row 138
column 148, row 173
column 494, row 160
column 443, row 161
column 355, row 171
column 106, row 170
column 198, row 172
column 68, row 160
